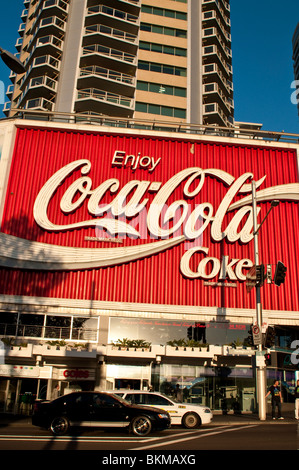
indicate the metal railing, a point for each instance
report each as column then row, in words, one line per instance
column 158, row 126
column 48, row 332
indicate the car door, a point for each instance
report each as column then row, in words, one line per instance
column 77, row 408
column 107, row 411
column 161, row 402
column 157, row 401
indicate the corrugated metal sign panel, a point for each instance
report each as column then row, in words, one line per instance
column 157, row 278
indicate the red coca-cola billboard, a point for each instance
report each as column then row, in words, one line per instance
column 139, row 218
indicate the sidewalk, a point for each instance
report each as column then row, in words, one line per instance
column 251, row 418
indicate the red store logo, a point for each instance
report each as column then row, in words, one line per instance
column 76, row 374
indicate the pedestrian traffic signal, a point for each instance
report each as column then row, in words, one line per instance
column 268, row 359
column 280, row 273
column 260, row 275
column 270, row 337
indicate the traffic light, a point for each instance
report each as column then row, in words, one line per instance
column 270, row 337
column 260, row 275
column 190, row 332
column 249, row 339
column 268, row 359
column 280, row 273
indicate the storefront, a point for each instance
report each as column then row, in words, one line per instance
column 124, row 259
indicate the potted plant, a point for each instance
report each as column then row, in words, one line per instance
column 177, row 343
column 237, row 344
column 126, row 343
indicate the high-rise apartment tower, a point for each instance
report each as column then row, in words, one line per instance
column 146, row 59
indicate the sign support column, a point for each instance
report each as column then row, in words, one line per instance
column 260, row 370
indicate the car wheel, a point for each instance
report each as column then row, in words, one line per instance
column 141, row 426
column 59, row 426
column 191, row 420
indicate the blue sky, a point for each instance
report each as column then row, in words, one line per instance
column 262, row 33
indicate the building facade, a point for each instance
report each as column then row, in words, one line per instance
column 126, row 58
column 125, row 257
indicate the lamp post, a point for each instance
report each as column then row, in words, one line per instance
column 260, row 369
column 12, row 61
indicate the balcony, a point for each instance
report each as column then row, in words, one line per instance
column 212, row 54
column 24, row 14
column 51, row 26
column 211, row 18
column 214, row 114
column 48, row 332
column 111, row 37
column 21, row 29
column 48, row 45
column 10, row 91
column 130, row 6
column 212, row 92
column 39, row 104
column 112, row 17
column 18, row 44
column 38, row 87
column 213, row 31
column 104, row 102
column 212, row 36
column 46, row 61
column 12, row 76
column 6, row 108
column 105, row 79
column 49, row 8
column 213, row 73
column 109, row 58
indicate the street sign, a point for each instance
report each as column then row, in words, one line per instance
column 251, row 279
column 257, row 335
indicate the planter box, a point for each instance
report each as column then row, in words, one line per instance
column 18, row 351
column 149, row 353
column 67, row 351
column 187, row 352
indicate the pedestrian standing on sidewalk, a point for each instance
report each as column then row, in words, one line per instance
column 276, row 399
column 297, row 400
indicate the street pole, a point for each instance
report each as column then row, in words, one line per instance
column 260, row 370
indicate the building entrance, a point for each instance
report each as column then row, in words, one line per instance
column 132, row 384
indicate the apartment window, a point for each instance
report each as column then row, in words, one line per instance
column 162, row 68
column 177, row 51
column 209, row 108
column 162, row 89
column 163, row 12
column 179, row 33
column 209, row 87
column 37, row 81
column 209, row 68
column 209, row 49
column 209, row 32
column 49, row 326
column 161, row 110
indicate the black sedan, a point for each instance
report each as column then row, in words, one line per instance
column 95, row 409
